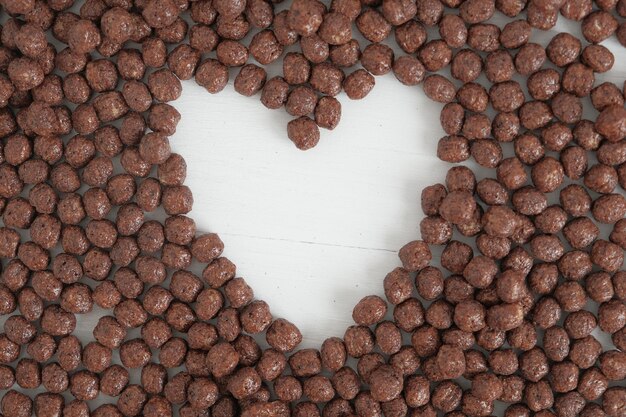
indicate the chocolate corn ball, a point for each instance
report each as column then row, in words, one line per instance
column 303, row 132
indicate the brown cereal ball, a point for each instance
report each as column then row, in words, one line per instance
column 303, row 132
column 439, row 88
column 326, row 79
column 506, row 316
column 288, row 388
column 377, row 59
column 160, row 13
column 283, row 335
column 367, row 364
column 244, row 383
column 499, row 93
column 453, row 148
column 563, row 49
column 212, row 75
column 578, row 79
column 385, row 383
column 570, row 296
column 346, row 55
column 544, row 84
column 117, row 25
column 333, row 354
column 410, row 36
column 486, row 387
column 601, row 178
column 613, row 401
column 547, row 174
column 453, row 31
column 618, row 235
column 598, row 57
column 155, row 332
column 265, row 48
column 435, row 55
column 446, row 396
column 486, row 152
column 574, row 161
column 606, row 94
column 305, row 16
column 315, row 49
column 27, row 373
column 132, row 400
column 274, row 93
column 515, row 34
column 301, row 101
column 358, row 341
column 415, row 255
column 370, row 310
column 16, row 404
column 349, row 8
column 250, row 80
column 335, row 29
column 452, row 118
column 598, row 26
column 327, row 112
column 296, row 68
column 611, row 123
column 567, row 107
column 466, row 65
column 529, row 58
column 609, row 208
column 611, row 317
column 599, row 287
column 608, row 256
column 358, row 84
column 408, row 70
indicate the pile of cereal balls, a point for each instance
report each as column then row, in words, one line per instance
column 520, row 312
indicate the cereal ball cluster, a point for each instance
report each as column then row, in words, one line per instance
column 506, row 297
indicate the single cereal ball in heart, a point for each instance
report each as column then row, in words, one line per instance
column 458, row 207
column 415, row 255
column 370, row 310
column 386, row 383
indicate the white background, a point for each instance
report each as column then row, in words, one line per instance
column 313, row 232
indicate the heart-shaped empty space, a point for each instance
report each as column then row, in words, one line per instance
column 312, row 232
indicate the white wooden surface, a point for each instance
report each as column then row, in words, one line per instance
column 312, row 231
column 315, row 231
